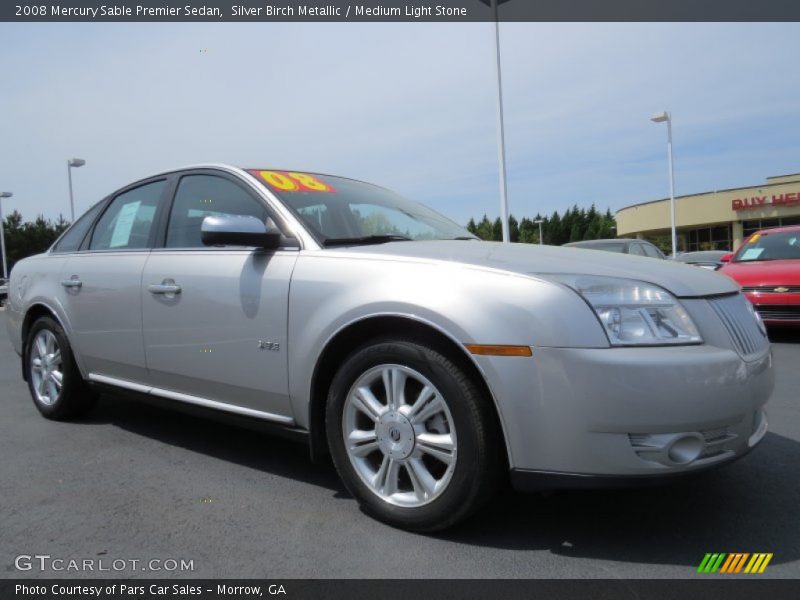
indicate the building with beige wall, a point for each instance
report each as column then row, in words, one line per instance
column 717, row 220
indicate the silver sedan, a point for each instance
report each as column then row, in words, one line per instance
column 428, row 364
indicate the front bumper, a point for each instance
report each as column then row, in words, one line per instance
column 629, row 411
column 524, row 480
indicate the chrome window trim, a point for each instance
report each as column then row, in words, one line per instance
column 243, row 249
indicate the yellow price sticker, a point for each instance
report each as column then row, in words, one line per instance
column 292, row 181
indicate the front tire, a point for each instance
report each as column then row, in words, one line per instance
column 412, row 436
column 54, row 381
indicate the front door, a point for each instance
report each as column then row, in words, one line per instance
column 215, row 319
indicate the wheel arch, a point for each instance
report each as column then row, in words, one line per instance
column 356, row 334
column 34, row 312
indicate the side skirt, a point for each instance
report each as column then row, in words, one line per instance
column 145, row 395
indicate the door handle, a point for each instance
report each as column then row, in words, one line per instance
column 164, row 288
column 72, row 282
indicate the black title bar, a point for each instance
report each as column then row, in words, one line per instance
column 399, row 10
column 711, row 588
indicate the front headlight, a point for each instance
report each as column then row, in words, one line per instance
column 634, row 312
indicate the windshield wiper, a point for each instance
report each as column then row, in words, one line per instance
column 366, row 240
column 463, row 237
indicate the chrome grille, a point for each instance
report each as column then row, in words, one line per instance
column 736, row 313
column 772, row 289
column 779, row 312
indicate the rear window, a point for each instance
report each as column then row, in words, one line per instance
column 73, row 238
column 652, row 251
column 128, row 221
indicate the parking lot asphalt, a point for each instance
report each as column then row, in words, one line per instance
column 136, row 482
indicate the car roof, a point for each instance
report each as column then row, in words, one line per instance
column 240, row 169
column 769, row 230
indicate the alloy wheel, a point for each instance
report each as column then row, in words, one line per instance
column 399, row 435
column 46, row 367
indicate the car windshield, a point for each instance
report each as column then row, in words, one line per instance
column 778, row 245
column 342, row 211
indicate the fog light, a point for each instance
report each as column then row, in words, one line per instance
column 686, row 449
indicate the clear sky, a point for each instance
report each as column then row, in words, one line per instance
column 409, row 106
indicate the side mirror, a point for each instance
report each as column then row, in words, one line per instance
column 725, row 258
column 238, row 230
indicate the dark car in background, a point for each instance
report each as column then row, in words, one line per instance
column 621, row 246
column 707, row 259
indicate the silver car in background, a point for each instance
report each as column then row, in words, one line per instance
column 428, row 364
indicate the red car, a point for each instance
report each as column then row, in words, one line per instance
column 767, row 266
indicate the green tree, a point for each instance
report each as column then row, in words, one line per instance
column 575, row 224
column 513, row 229
column 484, row 229
column 497, row 230
column 528, row 231
column 30, row 237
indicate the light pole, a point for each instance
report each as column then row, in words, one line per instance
column 540, row 221
column 501, row 137
column 665, row 117
column 2, row 235
column 72, row 162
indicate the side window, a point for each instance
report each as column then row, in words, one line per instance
column 127, row 222
column 72, row 239
column 652, row 251
column 201, row 196
column 636, row 250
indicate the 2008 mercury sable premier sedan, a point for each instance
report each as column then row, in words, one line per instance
column 427, row 363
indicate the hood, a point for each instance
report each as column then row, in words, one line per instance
column 770, row 272
column 680, row 279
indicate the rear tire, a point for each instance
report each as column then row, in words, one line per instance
column 54, row 381
column 412, row 436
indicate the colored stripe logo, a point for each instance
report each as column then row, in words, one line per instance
column 736, row 562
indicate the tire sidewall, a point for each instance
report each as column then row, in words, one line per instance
column 457, row 395
column 57, row 408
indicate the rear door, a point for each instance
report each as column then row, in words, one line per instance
column 217, row 336
column 101, row 285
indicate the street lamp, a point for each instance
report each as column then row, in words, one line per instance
column 501, row 138
column 2, row 235
column 72, row 162
column 540, row 221
column 665, row 117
